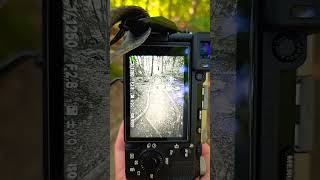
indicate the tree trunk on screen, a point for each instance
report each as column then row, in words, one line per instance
column 162, row 65
column 152, row 66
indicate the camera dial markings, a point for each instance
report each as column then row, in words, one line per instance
column 132, row 169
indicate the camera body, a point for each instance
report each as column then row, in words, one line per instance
column 291, row 14
column 162, row 124
column 280, row 47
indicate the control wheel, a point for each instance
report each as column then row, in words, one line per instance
column 151, row 161
column 289, row 47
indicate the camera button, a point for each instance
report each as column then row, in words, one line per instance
column 171, row 152
column 200, row 114
column 200, row 76
column 154, row 145
column 166, row 161
column 186, row 153
column 176, row 146
column 199, row 130
column 205, row 65
column 131, row 155
column 132, row 169
column 199, row 150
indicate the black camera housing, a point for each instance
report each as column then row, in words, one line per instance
column 279, row 47
column 291, row 14
column 169, row 158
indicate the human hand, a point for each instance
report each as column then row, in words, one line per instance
column 119, row 155
column 206, row 156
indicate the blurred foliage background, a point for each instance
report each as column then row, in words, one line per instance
column 187, row 14
column 191, row 15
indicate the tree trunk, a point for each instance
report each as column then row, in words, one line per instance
column 194, row 7
column 173, row 63
column 147, row 5
column 170, row 9
column 152, row 66
column 162, row 65
column 159, row 8
column 123, row 2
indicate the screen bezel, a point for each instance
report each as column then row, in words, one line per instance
column 159, row 49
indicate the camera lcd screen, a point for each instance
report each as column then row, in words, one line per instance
column 158, row 93
column 157, row 90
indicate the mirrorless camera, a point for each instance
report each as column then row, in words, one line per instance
column 164, row 102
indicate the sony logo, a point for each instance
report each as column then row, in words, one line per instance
column 289, row 167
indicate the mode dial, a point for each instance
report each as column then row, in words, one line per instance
column 289, row 47
column 151, row 160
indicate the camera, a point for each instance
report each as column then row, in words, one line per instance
column 164, row 104
column 280, row 47
column 258, row 46
column 291, row 14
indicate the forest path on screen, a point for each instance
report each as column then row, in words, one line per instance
column 161, row 112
